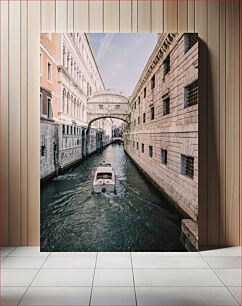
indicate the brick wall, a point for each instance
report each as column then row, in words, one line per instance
column 176, row 132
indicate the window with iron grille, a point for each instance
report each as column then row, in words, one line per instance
column 42, row 149
column 191, row 94
column 152, row 112
column 142, row 148
column 153, row 82
column 138, row 120
column 150, row 151
column 137, row 146
column 166, row 106
column 166, row 65
column 145, row 92
column 187, row 165
column 163, row 156
column 143, row 117
column 190, row 40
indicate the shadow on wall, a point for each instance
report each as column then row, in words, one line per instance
column 209, row 175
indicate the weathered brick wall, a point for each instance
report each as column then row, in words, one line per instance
column 176, row 132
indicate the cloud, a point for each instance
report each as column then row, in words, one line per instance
column 104, row 45
column 121, row 57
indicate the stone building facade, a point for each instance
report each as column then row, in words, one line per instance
column 68, row 76
column 49, row 101
column 163, row 135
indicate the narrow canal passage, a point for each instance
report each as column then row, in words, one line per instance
column 137, row 218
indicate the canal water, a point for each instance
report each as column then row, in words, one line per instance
column 137, row 218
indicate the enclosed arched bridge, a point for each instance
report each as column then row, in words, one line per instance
column 107, row 104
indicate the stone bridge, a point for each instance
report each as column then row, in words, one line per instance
column 106, row 104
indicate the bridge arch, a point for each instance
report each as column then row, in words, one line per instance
column 104, row 117
column 106, row 103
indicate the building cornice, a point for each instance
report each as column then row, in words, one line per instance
column 161, row 50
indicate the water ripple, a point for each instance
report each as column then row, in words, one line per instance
column 137, row 218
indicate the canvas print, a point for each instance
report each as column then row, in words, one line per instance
column 119, row 142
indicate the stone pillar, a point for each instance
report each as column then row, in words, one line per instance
column 75, row 71
column 68, row 62
column 72, row 63
column 77, row 76
column 63, row 101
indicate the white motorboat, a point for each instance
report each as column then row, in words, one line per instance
column 104, row 179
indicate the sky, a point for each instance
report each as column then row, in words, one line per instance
column 121, row 57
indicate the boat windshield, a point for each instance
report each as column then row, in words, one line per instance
column 104, row 175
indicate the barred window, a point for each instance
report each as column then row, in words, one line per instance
column 150, row 151
column 191, row 94
column 42, row 150
column 137, row 146
column 166, row 106
column 166, row 65
column 143, row 117
column 145, row 92
column 142, row 148
column 152, row 111
column 190, row 40
column 187, row 165
column 153, row 82
column 163, row 156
